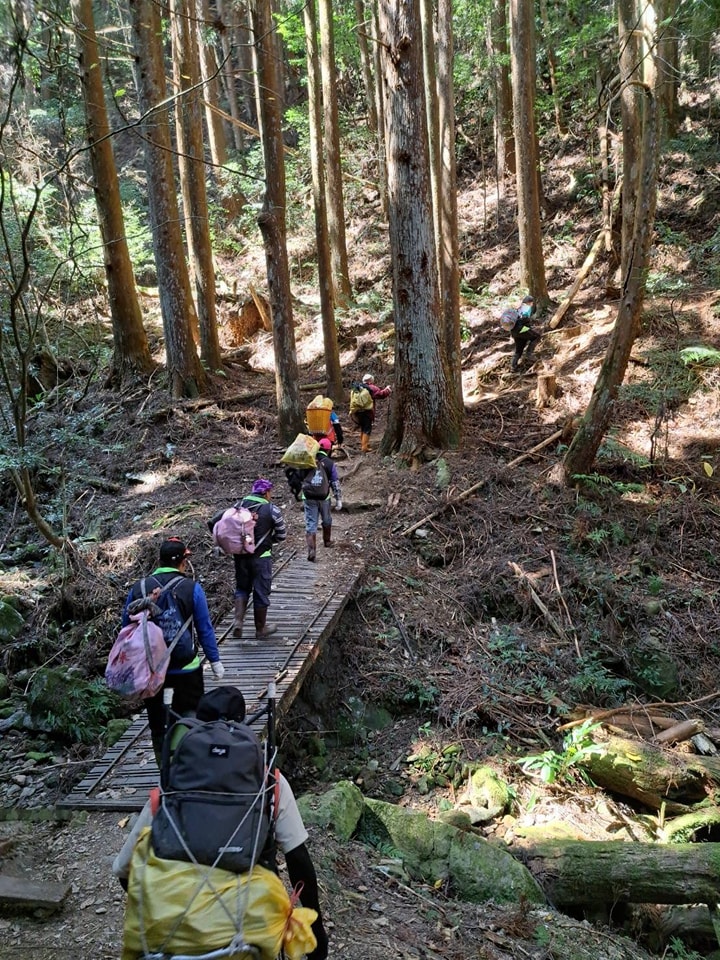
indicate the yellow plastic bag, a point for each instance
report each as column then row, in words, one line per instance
column 320, row 403
column 176, row 907
column 301, row 452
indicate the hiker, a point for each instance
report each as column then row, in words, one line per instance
column 317, row 483
column 365, row 418
column 183, row 611
column 517, row 324
column 253, row 572
column 290, row 835
column 336, row 426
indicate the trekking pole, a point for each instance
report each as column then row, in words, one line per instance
column 168, row 693
column 271, row 695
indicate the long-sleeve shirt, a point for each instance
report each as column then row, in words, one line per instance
column 377, row 393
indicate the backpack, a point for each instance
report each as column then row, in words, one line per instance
column 316, row 485
column 214, row 796
column 360, row 398
column 508, row 319
column 138, row 660
column 235, row 531
column 162, row 606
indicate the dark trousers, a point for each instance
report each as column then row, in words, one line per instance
column 527, row 338
column 187, row 687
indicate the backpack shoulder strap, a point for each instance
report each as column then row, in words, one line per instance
column 170, row 746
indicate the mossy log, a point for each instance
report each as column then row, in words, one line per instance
column 652, row 775
column 577, row 872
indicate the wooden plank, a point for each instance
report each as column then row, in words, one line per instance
column 305, row 608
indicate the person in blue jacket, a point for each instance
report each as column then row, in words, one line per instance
column 184, row 673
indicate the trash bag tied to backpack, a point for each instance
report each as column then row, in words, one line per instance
column 235, row 531
column 138, row 661
column 189, row 909
column 215, row 797
column 301, row 452
column 360, row 398
column 316, row 485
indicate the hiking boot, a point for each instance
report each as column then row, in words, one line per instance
column 514, row 364
column 261, row 628
column 327, row 533
column 364, row 443
column 240, row 609
column 311, row 541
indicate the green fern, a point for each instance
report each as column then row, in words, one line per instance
column 707, row 356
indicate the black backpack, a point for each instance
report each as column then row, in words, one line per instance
column 165, row 612
column 316, row 485
column 216, row 798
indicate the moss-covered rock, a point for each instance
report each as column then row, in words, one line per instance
column 339, row 809
column 485, row 797
column 4, row 687
column 115, row 729
column 432, row 851
column 11, row 622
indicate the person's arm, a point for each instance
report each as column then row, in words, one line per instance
column 125, row 615
column 279, row 529
column 335, row 484
column 301, row 870
column 203, row 625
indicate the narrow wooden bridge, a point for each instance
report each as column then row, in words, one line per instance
column 306, row 604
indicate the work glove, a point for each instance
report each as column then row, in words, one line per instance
column 218, row 669
column 338, row 505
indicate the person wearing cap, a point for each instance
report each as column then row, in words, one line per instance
column 184, row 673
column 319, row 510
column 253, row 571
column 517, row 324
column 290, row 835
column 366, row 418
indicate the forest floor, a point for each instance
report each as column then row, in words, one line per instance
column 445, row 634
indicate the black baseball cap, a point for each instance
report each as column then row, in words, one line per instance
column 172, row 551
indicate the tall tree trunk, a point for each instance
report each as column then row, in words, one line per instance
column 631, row 97
column 191, row 161
column 449, row 252
column 362, row 30
column 231, row 202
column 272, row 222
column 425, row 410
column 225, row 18
column 668, row 68
column 333, row 371
column 532, row 262
column 432, row 112
column 549, row 37
column 185, row 373
column 380, row 109
column 502, row 94
column 582, row 451
column 335, row 203
column 131, row 351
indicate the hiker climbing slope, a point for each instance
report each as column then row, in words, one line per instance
column 316, row 485
column 362, row 410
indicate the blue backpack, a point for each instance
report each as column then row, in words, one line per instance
column 166, row 614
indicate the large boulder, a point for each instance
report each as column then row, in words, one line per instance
column 339, row 809
column 11, row 623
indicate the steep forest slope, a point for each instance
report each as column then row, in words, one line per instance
column 501, row 617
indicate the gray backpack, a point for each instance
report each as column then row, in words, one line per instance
column 216, row 797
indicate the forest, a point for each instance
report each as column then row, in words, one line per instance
column 212, row 210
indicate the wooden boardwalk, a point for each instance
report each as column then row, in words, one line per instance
column 304, row 607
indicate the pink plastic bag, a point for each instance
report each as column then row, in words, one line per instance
column 235, row 531
column 138, row 661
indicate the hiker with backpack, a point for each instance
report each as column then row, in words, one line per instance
column 253, row 568
column 179, row 607
column 317, row 483
column 362, row 406
column 517, row 324
column 221, row 804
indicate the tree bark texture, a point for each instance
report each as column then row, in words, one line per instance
column 272, row 222
column 584, row 446
column 226, row 16
column 432, row 112
column 631, row 96
column 185, row 373
column 191, row 161
column 362, row 29
column 425, row 411
column 334, row 201
column 532, row 262
column 449, row 249
column 577, row 872
column 333, row 372
column 502, row 94
column 380, row 109
column 131, row 351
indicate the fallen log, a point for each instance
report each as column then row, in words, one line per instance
column 576, row 872
column 647, row 773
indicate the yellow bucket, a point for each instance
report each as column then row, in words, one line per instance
column 318, row 421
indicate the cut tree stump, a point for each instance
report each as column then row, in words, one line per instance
column 577, row 872
column 546, row 391
column 22, row 894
